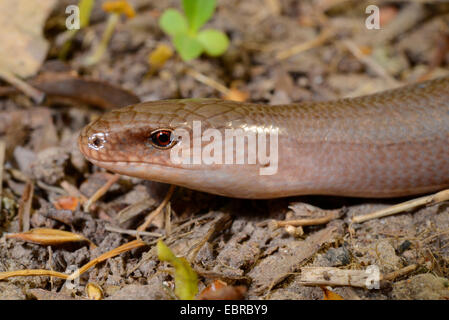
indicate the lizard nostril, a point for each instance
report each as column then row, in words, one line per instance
column 97, row 141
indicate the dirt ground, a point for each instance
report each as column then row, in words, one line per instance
column 281, row 51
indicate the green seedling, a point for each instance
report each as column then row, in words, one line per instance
column 186, row 280
column 185, row 32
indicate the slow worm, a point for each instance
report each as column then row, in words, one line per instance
column 388, row 144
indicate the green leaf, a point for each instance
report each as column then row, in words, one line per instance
column 173, row 22
column 85, row 11
column 188, row 47
column 214, row 42
column 198, row 12
column 186, row 280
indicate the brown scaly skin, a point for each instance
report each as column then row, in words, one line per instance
column 389, row 144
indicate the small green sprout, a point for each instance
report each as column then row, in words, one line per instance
column 186, row 280
column 184, row 30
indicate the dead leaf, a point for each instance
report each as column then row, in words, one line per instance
column 159, row 56
column 66, row 203
column 387, row 14
column 236, row 95
column 23, row 47
column 32, row 272
column 118, row 7
column 47, row 237
column 64, row 86
column 94, row 291
column 219, row 290
column 330, row 295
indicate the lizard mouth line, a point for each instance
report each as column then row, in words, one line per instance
column 141, row 164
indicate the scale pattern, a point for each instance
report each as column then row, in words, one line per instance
column 388, row 144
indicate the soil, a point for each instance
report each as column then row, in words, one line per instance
column 222, row 238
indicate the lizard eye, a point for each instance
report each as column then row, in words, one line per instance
column 162, row 139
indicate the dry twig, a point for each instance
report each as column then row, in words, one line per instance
column 325, row 35
column 399, row 273
column 158, row 210
column 330, row 276
column 133, row 232
column 100, row 192
column 401, row 207
column 371, row 63
column 308, row 222
column 25, row 206
column 36, row 95
column 208, row 81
